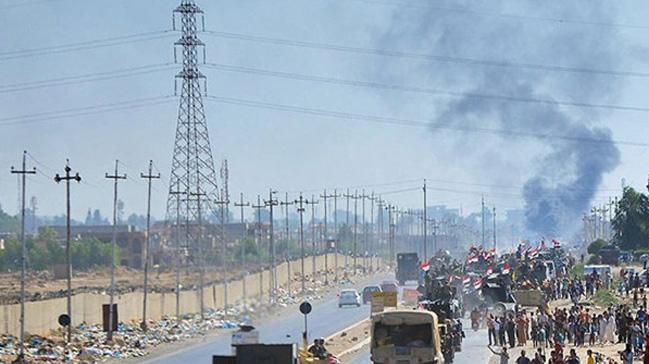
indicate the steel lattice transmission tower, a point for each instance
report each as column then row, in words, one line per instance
column 192, row 172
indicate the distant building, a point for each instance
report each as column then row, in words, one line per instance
column 131, row 242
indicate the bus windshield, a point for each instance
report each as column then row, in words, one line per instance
column 414, row 336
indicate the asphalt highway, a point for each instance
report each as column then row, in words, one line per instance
column 325, row 319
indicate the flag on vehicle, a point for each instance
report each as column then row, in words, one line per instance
column 556, row 243
column 425, row 266
column 506, row 268
column 533, row 252
column 491, row 252
column 472, row 259
column 477, row 284
column 466, row 280
column 490, row 270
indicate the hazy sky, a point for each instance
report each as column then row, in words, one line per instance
column 292, row 151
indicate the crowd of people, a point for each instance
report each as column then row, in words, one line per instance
column 578, row 326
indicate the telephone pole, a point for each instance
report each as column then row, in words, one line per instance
column 364, row 227
column 243, row 250
column 223, row 203
column 68, row 251
column 372, row 231
column 273, row 264
column 178, row 259
column 483, row 231
column 23, row 252
column 324, row 197
column 355, row 198
column 313, row 202
column 494, row 217
column 425, row 229
column 286, row 203
column 149, row 177
column 258, row 207
column 198, row 258
column 111, row 311
column 336, row 235
column 301, row 202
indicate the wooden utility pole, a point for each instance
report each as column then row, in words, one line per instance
column 68, row 251
column 149, row 177
column 23, row 252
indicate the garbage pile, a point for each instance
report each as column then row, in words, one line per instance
column 89, row 343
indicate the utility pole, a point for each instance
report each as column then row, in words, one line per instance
column 336, row 235
column 198, row 251
column 243, row 250
column 483, row 231
column 425, row 230
column 300, row 202
column 364, row 227
column 380, row 205
column 23, row 252
column 494, row 217
column 178, row 193
column 223, row 203
column 258, row 207
column 287, row 233
column 273, row 270
column 68, row 250
column 150, row 177
column 115, row 177
column 355, row 197
column 390, row 209
column 313, row 202
column 324, row 197
column 372, row 231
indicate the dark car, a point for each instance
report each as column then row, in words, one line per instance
column 389, row 286
column 367, row 293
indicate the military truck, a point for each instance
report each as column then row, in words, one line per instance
column 407, row 267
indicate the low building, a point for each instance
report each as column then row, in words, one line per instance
column 130, row 241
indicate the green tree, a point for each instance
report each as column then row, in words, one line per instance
column 631, row 222
column 595, row 246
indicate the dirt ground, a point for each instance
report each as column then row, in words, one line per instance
column 42, row 285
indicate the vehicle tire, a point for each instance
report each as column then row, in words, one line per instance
column 358, row 305
column 340, row 306
column 401, row 283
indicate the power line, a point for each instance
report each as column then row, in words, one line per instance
column 413, row 123
column 92, row 44
column 26, row 3
column 424, row 90
column 86, row 110
column 420, row 5
column 90, row 77
column 421, row 56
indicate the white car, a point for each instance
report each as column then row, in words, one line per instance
column 349, row 297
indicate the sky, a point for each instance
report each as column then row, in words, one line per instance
column 290, row 151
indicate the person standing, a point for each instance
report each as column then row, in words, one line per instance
column 572, row 358
column 491, row 331
column 503, row 354
column 627, row 355
column 523, row 359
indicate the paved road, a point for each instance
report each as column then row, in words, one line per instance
column 474, row 350
column 325, row 319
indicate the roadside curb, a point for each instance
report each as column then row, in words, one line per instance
column 355, row 347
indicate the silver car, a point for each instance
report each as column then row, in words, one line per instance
column 349, row 297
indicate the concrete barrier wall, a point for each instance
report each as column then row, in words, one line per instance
column 42, row 316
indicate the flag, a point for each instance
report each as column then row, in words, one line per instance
column 491, row 252
column 477, row 284
column 556, row 243
column 425, row 266
column 472, row 259
column 534, row 252
column 466, row 280
column 506, row 268
column 490, row 270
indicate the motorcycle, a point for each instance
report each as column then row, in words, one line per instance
column 475, row 324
